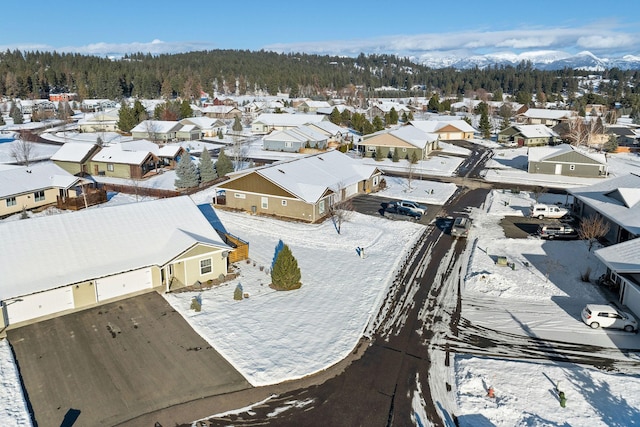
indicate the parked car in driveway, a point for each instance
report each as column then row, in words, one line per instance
column 395, row 208
column 608, row 316
column 547, row 211
column 557, row 231
column 414, row 206
column 460, row 227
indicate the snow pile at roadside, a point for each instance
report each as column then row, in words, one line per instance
column 13, row 411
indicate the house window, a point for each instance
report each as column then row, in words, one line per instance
column 321, row 207
column 284, row 203
column 110, row 167
column 264, row 202
column 572, row 167
column 404, row 149
column 205, row 266
column 288, row 144
column 371, row 148
column 239, row 195
column 39, row 196
column 375, row 180
column 11, row 201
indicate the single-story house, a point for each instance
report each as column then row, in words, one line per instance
column 98, row 255
column 447, row 130
column 98, row 105
column 528, row 135
column 303, row 188
column 406, row 140
column 221, row 112
column 311, row 106
column 567, row 160
column 616, row 200
column 626, row 136
column 35, row 186
column 75, row 157
column 334, row 133
column 269, row 122
column 114, row 161
column 168, row 155
column 623, row 269
column 102, row 121
column 156, row 130
column 208, row 127
column 542, row 116
column 381, row 109
column 189, row 133
column 294, row 140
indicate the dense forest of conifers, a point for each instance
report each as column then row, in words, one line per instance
column 30, row 75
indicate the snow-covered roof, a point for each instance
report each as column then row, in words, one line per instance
column 203, row 122
column 328, row 127
column 92, row 243
column 218, row 109
column 157, row 126
column 39, row 176
column 623, row 257
column 317, row 104
column 436, row 125
column 536, row 131
column 616, row 198
column 311, row 176
column 539, row 154
column 414, row 136
column 273, row 119
column 542, row 113
column 116, row 154
column 73, row 152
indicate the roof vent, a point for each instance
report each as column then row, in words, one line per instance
column 280, row 170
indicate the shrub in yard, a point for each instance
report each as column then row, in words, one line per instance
column 586, row 275
column 237, row 293
column 285, row 274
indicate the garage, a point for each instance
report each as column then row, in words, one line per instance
column 631, row 297
column 39, row 304
column 350, row 190
column 124, row 283
column 451, row 136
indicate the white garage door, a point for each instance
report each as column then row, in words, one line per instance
column 351, row 190
column 40, row 304
column 122, row 284
column 632, row 298
column 455, row 135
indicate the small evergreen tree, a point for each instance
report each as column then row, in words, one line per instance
column 186, row 173
column 237, row 125
column 207, row 170
column 185, row 109
column 393, row 116
column 611, row 145
column 220, row 135
column 224, row 164
column 126, row 119
column 285, row 274
column 378, row 154
column 16, row 114
column 414, row 158
column 335, row 116
column 377, row 123
column 395, row 157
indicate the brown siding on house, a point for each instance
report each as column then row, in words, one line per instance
column 254, row 183
column 251, row 202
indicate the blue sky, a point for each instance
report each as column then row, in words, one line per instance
column 408, row 28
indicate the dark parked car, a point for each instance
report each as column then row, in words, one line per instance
column 397, row 208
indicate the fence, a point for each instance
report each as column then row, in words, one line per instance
column 241, row 247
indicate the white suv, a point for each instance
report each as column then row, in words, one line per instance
column 607, row 316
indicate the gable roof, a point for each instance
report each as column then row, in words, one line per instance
column 433, row 126
column 309, row 177
column 614, row 205
column 92, row 243
column 542, row 113
column 548, row 153
column 157, row 126
column 273, row 119
column 39, row 176
column 76, row 152
column 623, row 257
column 409, row 134
column 536, row 131
column 116, row 154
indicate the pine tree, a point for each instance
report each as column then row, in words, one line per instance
column 378, row 154
column 237, row 125
column 395, row 157
column 335, row 116
column 285, row 274
column 393, row 116
column 224, row 164
column 16, row 114
column 377, row 123
column 186, row 172
column 207, row 171
column 126, row 119
column 485, row 126
column 185, row 110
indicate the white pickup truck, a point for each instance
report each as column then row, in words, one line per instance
column 547, row 211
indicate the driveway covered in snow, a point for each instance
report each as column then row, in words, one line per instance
column 112, row 363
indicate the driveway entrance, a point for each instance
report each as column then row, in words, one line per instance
column 112, row 363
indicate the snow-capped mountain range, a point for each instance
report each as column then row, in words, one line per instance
column 542, row 60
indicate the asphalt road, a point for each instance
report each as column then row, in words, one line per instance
column 113, row 363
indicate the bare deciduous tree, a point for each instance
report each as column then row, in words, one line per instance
column 593, row 228
column 537, row 192
column 23, row 151
column 340, row 212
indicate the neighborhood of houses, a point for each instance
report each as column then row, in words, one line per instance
column 172, row 243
